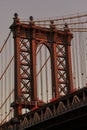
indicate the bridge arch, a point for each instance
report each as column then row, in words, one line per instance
column 43, row 73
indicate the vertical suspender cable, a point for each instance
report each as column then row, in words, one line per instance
column 41, row 75
column 5, row 87
column 46, row 73
column 73, row 58
column 81, row 74
column 86, row 54
column 83, row 57
column 1, row 92
column 77, row 58
column 9, row 76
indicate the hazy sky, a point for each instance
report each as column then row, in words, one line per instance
column 36, row 8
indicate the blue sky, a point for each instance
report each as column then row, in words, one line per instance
column 38, row 9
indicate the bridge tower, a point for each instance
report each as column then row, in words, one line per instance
column 27, row 37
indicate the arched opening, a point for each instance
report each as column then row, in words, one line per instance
column 43, row 73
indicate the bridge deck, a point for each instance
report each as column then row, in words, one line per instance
column 68, row 112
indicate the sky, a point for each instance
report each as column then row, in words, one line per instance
column 38, row 9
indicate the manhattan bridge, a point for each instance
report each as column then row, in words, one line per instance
column 43, row 74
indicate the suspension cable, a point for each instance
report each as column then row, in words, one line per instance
column 4, row 120
column 5, row 42
column 7, row 67
column 6, row 99
column 59, row 19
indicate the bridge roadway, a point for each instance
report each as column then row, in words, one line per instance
column 66, row 113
